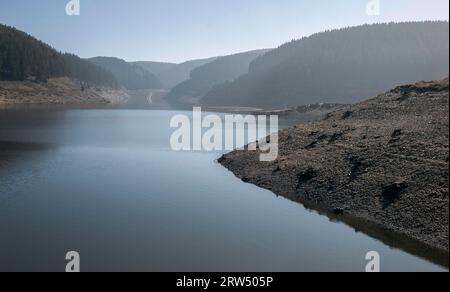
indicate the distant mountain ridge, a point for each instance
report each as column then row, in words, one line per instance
column 204, row 78
column 340, row 66
column 173, row 74
column 157, row 68
column 130, row 76
column 23, row 57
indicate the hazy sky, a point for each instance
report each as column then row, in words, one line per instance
column 179, row 30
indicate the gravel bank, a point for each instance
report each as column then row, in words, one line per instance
column 384, row 161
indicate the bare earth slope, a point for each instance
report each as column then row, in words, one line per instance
column 61, row 91
column 384, row 161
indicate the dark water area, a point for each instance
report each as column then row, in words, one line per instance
column 105, row 183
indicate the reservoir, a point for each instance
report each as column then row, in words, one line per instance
column 105, row 183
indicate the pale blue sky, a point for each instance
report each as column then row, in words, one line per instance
column 179, row 30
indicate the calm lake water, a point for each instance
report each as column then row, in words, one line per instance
column 106, row 184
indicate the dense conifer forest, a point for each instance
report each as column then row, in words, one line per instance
column 23, row 57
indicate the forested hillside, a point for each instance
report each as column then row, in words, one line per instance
column 204, row 78
column 128, row 75
column 173, row 74
column 86, row 71
column 341, row 66
column 23, row 57
column 157, row 68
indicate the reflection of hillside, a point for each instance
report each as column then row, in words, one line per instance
column 12, row 155
column 20, row 127
column 24, row 137
column 391, row 239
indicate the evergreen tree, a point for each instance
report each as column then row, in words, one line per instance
column 22, row 57
column 341, row 66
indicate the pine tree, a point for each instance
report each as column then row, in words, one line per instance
column 23, row 57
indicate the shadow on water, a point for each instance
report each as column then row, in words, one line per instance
column 22, row 140
column 13, row 154
column 14, row 147
column 389, row 238
column 13, row 151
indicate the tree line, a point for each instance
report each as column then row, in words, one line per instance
column 341, row 66
column 23, row 57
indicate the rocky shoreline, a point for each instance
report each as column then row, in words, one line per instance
column 384, row 162
column 57, row 91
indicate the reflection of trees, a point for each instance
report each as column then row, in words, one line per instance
column 13, row 154
column 389, row 238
